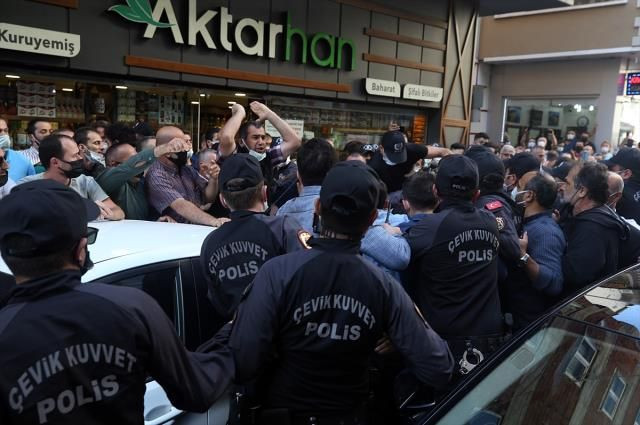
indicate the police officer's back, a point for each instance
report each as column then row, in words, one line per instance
column 79, row 354
column 233, row 254
column 318, row 314
column 453, row 270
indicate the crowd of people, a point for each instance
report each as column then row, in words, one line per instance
column 321, row 254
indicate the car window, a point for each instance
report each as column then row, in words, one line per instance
column 160, row 281
column 568, row 372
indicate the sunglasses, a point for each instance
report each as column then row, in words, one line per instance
column 92, row 235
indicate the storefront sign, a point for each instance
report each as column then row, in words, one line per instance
column 633, row 84
column 229, row 34
column 37, row 40
column 425, row 93
column 296, row 125
column 382, row 87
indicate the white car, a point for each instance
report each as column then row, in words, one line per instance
column 161, row 259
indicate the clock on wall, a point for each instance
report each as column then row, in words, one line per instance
column 583, row 121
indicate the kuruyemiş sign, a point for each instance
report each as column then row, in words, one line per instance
column 263, row 35
column 38, row 40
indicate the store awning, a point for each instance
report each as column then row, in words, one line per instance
column 495, row 7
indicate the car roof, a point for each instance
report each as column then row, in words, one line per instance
column 126, row 244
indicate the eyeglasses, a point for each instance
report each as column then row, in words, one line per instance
column 92, row 235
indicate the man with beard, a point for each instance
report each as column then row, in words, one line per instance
column 175, row 189
column 122, row 180
column 37, row 131
column 252, row 140
column 593, row 231
column 64, row 163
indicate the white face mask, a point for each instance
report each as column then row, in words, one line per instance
column 257, row 155
column 542, row 143
column 604, row 149
column 571, row 136
column 387, row 160
column 5, row 141
column 531, row 145
column 514, row 192
column 189, row 153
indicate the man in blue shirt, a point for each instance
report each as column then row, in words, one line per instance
column 418, row 198
column 540, row 282
column 20, row 166
column 315, row 158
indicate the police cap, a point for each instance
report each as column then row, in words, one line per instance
column 50, row 214
column 395, row 146
column 627, row 158
column 351, row 188
column 522, row 163
column 457, row 174
column 239, row 172
column 487, row 162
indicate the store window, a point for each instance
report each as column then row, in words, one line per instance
column 530, row 118
column 613, row 396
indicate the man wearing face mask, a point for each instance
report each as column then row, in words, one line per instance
column 626, row 163
column 521, row 164
column 593, row 232
column 570, row 142
column 6, row 184
column 20, row 165
column 252, row 140
column 175, row 189
column 90, row 144
column 229, row 269
column 52, row 321
column 63, row 163
column 122, row 180
column 629, row 248
column 537, row 282
column 37, row 131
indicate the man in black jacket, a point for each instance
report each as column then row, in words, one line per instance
column 626, row 163
column 593, row 231
column 316, row 315
column 81, row 354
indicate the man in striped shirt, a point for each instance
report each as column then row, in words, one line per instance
column 37, row 130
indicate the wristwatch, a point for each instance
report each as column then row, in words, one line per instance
column 524, row 260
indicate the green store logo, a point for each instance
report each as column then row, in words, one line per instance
column 325, row 50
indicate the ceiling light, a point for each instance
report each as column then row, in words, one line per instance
column 12, row 76
column 577, row 107
column 231, row 102
column 67, row 89
column 241, row 94
column 53, row 91
column 122, row 87
column 202, row 95
column 195, row 102
column 591, row 108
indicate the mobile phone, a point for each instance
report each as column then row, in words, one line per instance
column 584, row 155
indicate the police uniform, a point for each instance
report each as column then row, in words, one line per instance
column 315, row 316
column 232, row 255
column 629, row 205
column 453, row 269
column 80, row 354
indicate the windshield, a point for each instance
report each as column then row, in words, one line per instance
column 580, row 367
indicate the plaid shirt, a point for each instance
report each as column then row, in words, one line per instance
column 164, row 185
column 32, row 155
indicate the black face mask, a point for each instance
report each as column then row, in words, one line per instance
column 181, row 159
column 578, row 148
column 77, row 168
column 88, row 264
column 4, row 179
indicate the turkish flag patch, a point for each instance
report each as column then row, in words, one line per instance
column 492, row 206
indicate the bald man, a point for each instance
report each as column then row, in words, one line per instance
column 629, row 249
column 122, row 178
column 616, row 186
column 175, row 189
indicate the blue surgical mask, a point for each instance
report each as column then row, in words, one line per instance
column 387, row 160
column 257, row 155
column 5, row 141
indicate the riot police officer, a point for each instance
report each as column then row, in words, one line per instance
column 315, row 316
column 79, row 354
column 232, row 255
column 453, row 269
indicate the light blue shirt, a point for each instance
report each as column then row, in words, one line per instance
column 302, row 207
column 19, row 166
column 389, row 252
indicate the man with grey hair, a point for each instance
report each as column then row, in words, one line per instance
column 507, row 152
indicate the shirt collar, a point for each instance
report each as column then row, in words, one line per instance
column 234, row 215
column 45, row 286
column 310, row 190
column 335, row 245
column 536, row 216
column 171, row 168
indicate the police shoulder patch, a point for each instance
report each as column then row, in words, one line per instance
column 500, row 222
column 303, row 237
column 493, row 206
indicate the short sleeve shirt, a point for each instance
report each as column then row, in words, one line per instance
column 164, row 185
column 85, row 186
column 394, row 175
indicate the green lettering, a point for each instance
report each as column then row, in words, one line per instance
column 346, row 42
column 303, row 39
column 329, row 60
